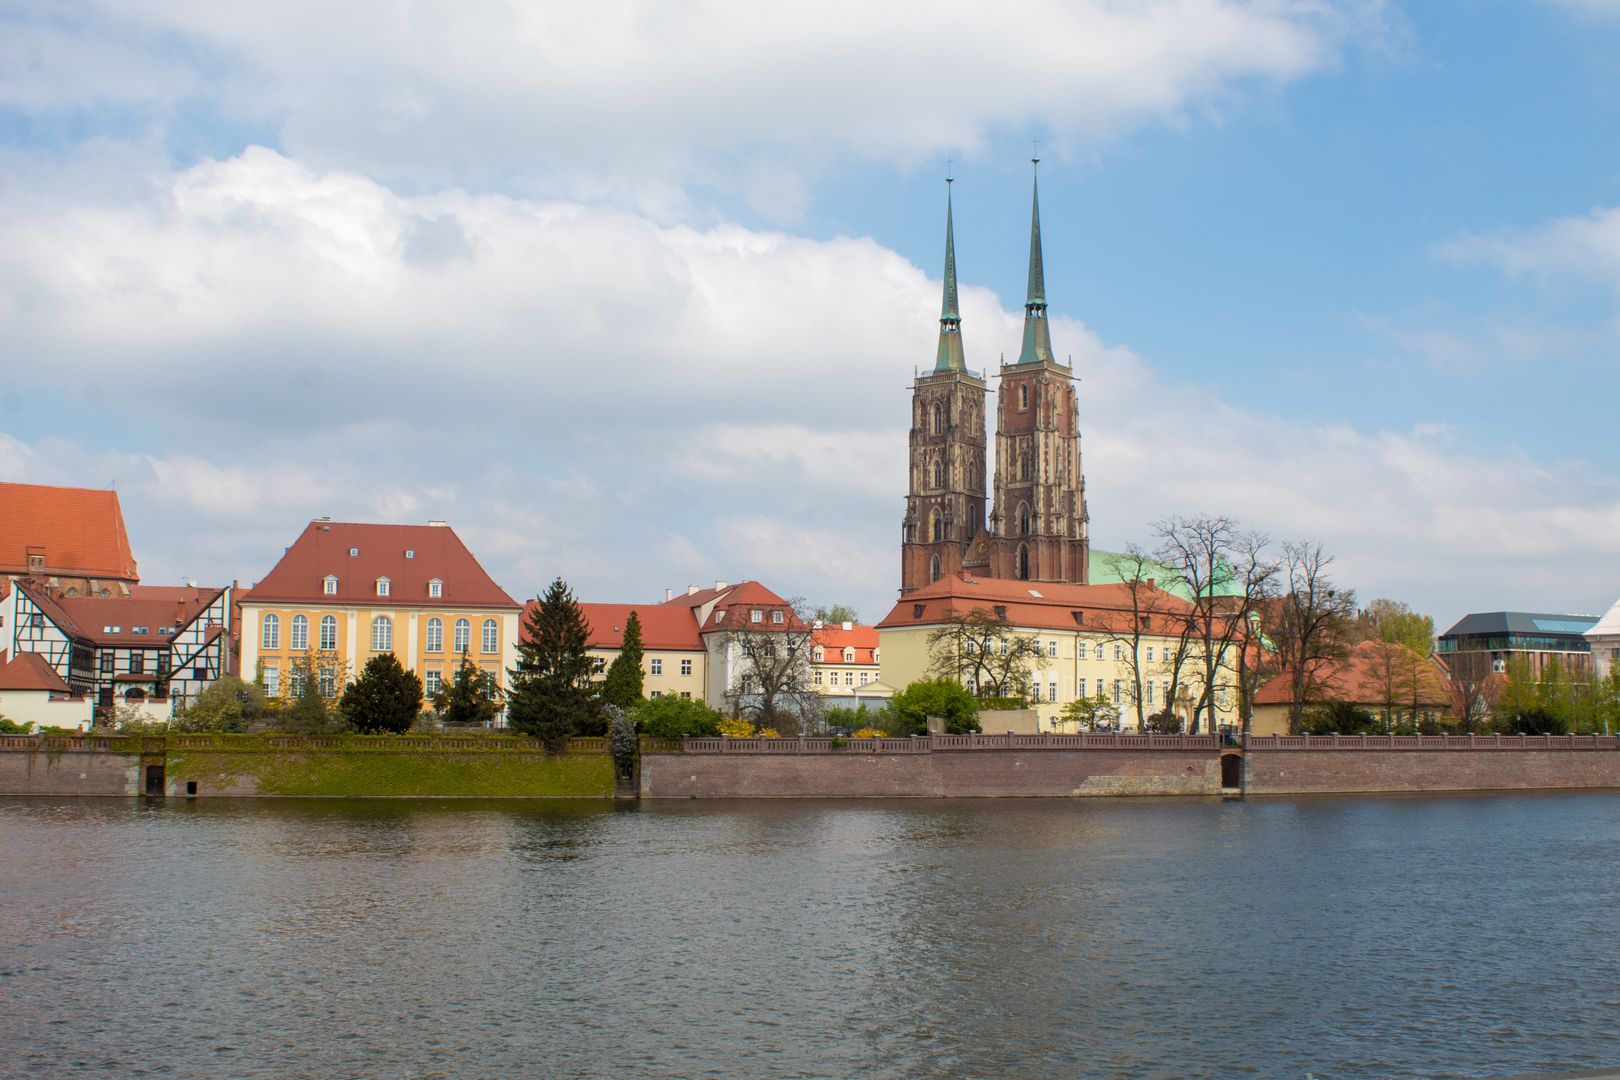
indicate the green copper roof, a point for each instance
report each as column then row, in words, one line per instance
column 1037, row 338
column 1117, row 568
column 950, row 320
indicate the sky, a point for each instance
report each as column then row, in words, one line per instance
column 632, row 293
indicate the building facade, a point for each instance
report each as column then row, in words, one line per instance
column 1604, row 640
column 1490, row 639
column 70, row 540
column 1038, row 528
column 345, row 592
column 674, row 662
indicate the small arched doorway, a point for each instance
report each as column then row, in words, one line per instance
column 1231, row 770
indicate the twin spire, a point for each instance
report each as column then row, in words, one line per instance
column 1037, row 346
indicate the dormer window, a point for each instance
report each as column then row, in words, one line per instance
column 36, row 564
column 756, row 615
column 777, row 618
column 409, row 554
column 435, row 589
column 819, row 654
column 849, row 656
column 354, row 552
column 382, row 586
column 329, row 585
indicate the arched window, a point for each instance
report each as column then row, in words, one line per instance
column 1023, row 519
column 382, row 634
column 328, row 633
column 492, row 636
column 463, row 636
column 1023, row 398
column 300, row 633
column 933, row 568
column 936, row 526
column 939, row 474
column 1023, row 561
column 435, row 635
column 270, row 636
column 939, row 420
column 1023, row 465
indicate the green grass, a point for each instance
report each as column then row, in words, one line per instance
column 382, row 774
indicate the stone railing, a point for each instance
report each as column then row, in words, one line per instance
column 113, row 744
column 1432, row 742
column 929, row 744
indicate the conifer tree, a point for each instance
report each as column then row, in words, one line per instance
column 623, row 685
column 550, row 694
column 471, row 697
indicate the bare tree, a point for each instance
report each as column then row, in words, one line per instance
column 1225, row 572
column 1471, row 688
column 1314, row 618
column 981, row 649
column 771, row 664
column 1151, row 614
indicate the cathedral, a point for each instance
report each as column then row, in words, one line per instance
column 1037, row 526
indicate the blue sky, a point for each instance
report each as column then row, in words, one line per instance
column 635, row 298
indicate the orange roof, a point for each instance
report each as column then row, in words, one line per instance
column 1040, row 605
column 160, row 611
column 1363, row 678
column 409, row 556
column 30, row 671
column 662, row 626
column 79, row 531
column 743, row 598
column 833, row 640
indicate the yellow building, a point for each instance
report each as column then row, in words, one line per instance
column 1079, row 638
column 346, row 592
column 673, row 659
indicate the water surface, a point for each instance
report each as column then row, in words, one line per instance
column 1336, row 937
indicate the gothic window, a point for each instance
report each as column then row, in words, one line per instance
column 939, row 420
column 933, row 568
column 1023, row 519
column 939, row 474
column 1023, row 561
column 1023, row 398
column 936, row 527
column 300, row 632
column 1023, row 465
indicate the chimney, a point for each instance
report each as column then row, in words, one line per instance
column 439, row 523
column 691, row 590
column 669, row 594
column 849, row 626
column 718, row 585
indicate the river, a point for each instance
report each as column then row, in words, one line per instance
column 1329, row 937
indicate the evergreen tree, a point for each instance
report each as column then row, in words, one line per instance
column 471, row 697
column 551, row 696
column 623, row 685
column 384, row 699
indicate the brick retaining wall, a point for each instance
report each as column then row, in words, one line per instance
column 1293, row 772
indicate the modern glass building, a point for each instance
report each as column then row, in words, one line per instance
column 1537, row 637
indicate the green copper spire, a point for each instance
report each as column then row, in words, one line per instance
column 1037, row 338
column 950, row 320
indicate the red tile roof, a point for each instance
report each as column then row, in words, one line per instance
column 324, row 549
column 30, row 671
column 833, row 640
column 1041, row 605
column 662, row 626
column 743, row 598
column 79, row 531
column 1360, row 679
column 162, row 610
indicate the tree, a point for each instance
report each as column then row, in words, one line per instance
column 1394, row 622
column 770, row 663
column 1336, row 718
column 227, row 704
column 1153, row 614
column 1313, row 618
column 1471, row 685
column 676, row 718
column 1226, row 573
column 1518, row 692
column 384, row 699
column 623, row 685
column 311, row 683
column 907, row 712
column 1094, row 713
column 835, row 615
column 550, row 695
column 981, row 649
column 472, row 696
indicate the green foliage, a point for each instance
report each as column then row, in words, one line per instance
column 11, row 727
column 1164, row 722
column 384, row 699
column 1337, row 718
column 308, row 712
column 908, row 711
column 1090, row 714
column 470, row 698
column 622, row 741
column 1538, row 721
column 1394, row 622
column 225, row 705
column 623, row 685
column 676, row 718
column 836, row 614
column 842, row 716
column 551, row 696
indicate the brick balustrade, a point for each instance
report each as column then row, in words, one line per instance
column 929, row 744
column 1432, row 742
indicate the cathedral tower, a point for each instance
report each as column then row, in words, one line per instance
column 1040, row 529
column 945, row 504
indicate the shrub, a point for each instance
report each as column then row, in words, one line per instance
column 384, row 699
column 675, row 718
column 1336, row 718
column 869, row 733
column 908, row 711
column 1164, row 723
column 227, row 704
column 1537, row 721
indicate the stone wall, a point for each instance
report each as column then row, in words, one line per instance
column 1293, row 772
column 32, row 766
column 978, row 773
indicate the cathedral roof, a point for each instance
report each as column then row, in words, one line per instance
column 78, row 531
column 1044, row 605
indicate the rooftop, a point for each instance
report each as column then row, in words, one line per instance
column 72, row 532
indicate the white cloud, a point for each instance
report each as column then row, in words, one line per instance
column 1587, row 246
column 636, row 99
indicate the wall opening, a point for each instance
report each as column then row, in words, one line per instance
column 1231, row 770
column 154, row 780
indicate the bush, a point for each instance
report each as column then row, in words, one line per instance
column 1537, row 721
column 1337, row 718
column 842, row 716
column 675, row 718
column 225, row 705
column 9, row 727
column 384, row 699
column 908, row 711
column 1164, row 723
column 869, row 733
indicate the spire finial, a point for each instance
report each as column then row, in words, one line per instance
column 950, row 320
column 1037, row 338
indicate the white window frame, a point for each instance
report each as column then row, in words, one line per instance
column 463, row 636
column 270, row 631
column 272, row 680
column 328, row 640
column 435, row 589
column 491, row 641
column 657, row 666
column 298, row 633
column 686, row 667
column 382, row 586
column 382, row 634
column 435, row 635
column 329, row 585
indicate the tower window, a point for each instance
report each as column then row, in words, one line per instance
column 1023, row 398
column 939, row 420
column 939, row 474
column 936, row 526
column 1023, row 521
column 933, row 568
column 1023, row 561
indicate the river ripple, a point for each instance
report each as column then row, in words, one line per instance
column 1333, row 937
